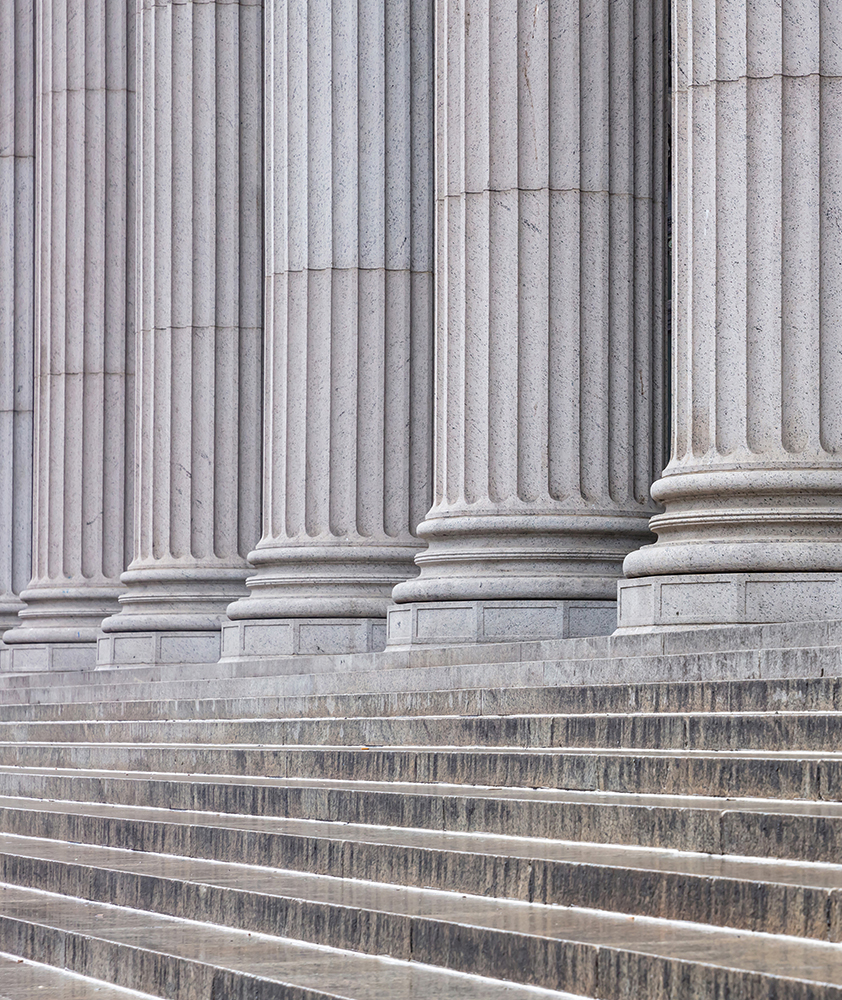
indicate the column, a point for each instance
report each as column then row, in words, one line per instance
column 550, row 120
column 17, row 243
column 753, row 491
column 199, row 328
column 348, row 323
column 83, row 361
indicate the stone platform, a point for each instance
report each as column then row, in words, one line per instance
column 509, row 821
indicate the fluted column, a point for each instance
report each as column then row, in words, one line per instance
column 17, row 240
column 199, row 326
column 348, row 321
column 83, row 328
column 550, row 315
column 752, row 529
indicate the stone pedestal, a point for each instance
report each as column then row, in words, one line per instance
column 200, row 323
column 17, row 319
column 752, row 527
column 348, row 321
column 83, row 363
column 550, row 316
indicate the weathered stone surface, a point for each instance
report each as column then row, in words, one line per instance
column 349, row 184
column 84, row 260
column 550, row 128
column 753, row 486
column 200, row 242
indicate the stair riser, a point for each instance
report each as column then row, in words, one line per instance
column 815, row 695
column 774, row 909
column 778, row 779
column 749, row 834
column 713, row 732
column 604, row 973
column 134, row 968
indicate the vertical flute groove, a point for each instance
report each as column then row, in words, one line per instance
column 549, row 232
column 200, row 328
column 81, row 451
column 17, row 298
column 349, row 309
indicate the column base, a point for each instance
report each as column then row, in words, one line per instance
column 121, row 649
column 690, row 600
column 264, row 637
column 26, row 657
column 449, row 623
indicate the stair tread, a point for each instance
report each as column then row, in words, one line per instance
column 787, row 807
column 748, row 952
column 814, row 875
column 21, row 979
column 337, row 973
column 809, row 874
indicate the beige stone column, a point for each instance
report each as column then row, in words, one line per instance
column 199, row 328
column 550, row 124
column 17, row 260
column 83, row 364
column 752, row 530
column 348, row 323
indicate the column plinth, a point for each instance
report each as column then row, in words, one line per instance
column 550, row 318
column 752, row 495
column 199, row 329
column 348, row 324
column 83, row 358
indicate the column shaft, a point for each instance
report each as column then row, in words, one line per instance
column 550, row 166
column 17, row 239
column 753, row 491
column 83, row 358
column 349, row 311
column 199, row 321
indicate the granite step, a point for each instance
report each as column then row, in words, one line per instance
column 713, row 731
column 784, row 830
column 21, row 979
column 47, row 769
column 799, row 900
column 823, row 694
column 191, row 960
column 608, row 955
column 432, row 670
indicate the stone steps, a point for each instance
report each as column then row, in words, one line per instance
column 677, row 839
column 21, row 979
column 552, row 945
column 723, row 731
column 821, row 694
column 191, row 960
column 782, row 775
column 531, row 665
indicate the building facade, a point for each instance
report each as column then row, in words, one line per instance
column 327, row 325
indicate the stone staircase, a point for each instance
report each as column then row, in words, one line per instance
column 628, row 841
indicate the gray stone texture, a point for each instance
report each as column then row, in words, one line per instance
column 550, row 188
column 83, row 360
column 348, row 312
column 199, row 316
column 753, row 485
column 17, row 300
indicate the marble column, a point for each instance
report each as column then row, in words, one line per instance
column 348, row 322
column 752, row 530
column 17, row 243
column 199, row 328
column 83, row 248
column 550, row 125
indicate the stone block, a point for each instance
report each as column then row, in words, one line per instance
column 149, row 648
column 301, row 637
column 692, row 600
column 467, row 622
